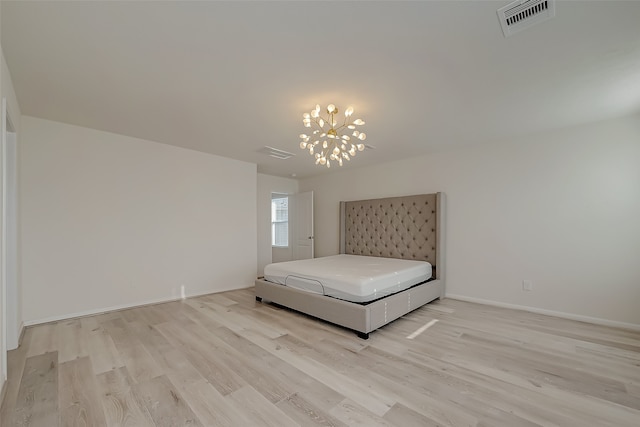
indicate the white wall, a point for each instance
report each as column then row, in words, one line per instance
column 268, row 184
column 112, row 221
column 560, row 209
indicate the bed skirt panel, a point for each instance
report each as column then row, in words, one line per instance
column 358, row 317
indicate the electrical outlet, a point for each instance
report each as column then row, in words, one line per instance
column 527, row 285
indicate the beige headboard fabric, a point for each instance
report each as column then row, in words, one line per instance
column 396, row 227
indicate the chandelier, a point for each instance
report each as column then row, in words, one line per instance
column 329, row 141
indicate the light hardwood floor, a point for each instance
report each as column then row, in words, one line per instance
column 226, row 360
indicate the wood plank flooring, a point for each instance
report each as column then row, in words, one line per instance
column 226, row 360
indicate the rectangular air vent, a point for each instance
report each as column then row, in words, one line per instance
column 522, row 14
column 274, row 152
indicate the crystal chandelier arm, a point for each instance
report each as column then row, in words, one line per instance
column 344, row 125
column 316, row 121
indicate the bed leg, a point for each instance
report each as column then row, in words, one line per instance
column 363, row 335
column 259, row 299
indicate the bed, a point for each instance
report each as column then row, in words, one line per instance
column 405, row 228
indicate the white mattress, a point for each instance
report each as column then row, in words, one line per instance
column 354, row 278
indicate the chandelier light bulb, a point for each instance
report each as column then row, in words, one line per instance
column 336, row 146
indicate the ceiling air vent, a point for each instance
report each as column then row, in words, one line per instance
column 274, row 152
column 522, row 14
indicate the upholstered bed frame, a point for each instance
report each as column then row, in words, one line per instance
column 409, row 227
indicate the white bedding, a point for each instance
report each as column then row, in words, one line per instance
column 354, row 278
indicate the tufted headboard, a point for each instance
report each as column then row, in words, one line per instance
column 408, row 227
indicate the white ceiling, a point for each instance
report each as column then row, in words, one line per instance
column 231, row 77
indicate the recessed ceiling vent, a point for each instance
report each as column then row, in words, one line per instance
column 274, row 152
column 522, row 14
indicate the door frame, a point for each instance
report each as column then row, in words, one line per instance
column 10, row 332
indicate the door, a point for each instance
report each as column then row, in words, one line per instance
column 303, row 238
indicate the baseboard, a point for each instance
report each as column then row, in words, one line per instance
column 23, row 328
column 570, row 316
column 123, row 307
column 20, row 336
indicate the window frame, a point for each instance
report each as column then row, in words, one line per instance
column 274, row 221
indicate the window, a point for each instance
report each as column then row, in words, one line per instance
column 279, row 221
